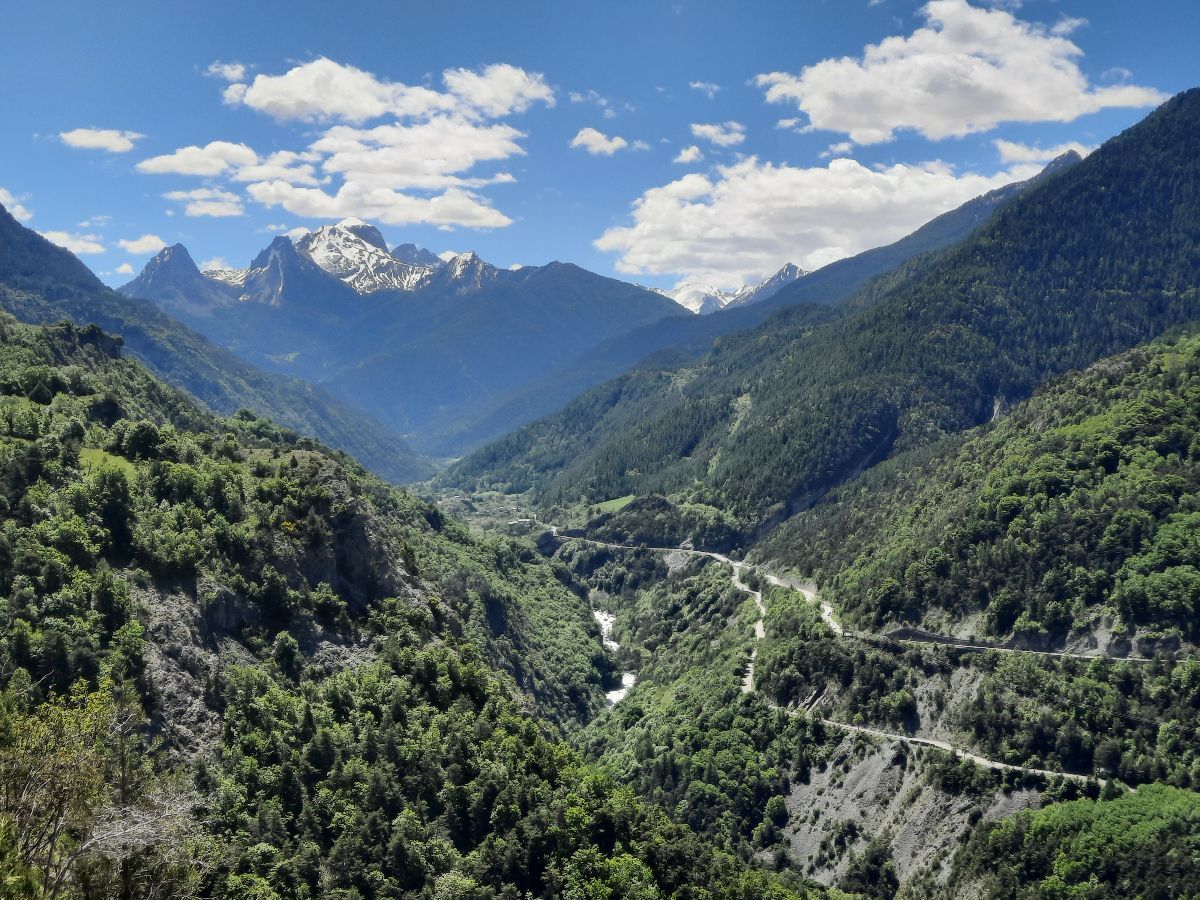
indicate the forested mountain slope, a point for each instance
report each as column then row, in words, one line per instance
column 676, row 340
column 1072, row 516
column 236, row 665
column 40, row 282
column 1091, row 261
column 770, row 766
column 423, row 360
column 1142, row 845
column 1067, row 523
column 472, row 350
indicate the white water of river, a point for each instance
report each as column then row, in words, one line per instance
column 605, row 621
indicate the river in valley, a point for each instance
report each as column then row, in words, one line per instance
column 605, row 621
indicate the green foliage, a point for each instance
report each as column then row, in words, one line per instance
column 1135, row 723
column 435, row 779
column 687, row 736
column 1077, row 509
column 800, row 661
column 1090, row 262
column 656, row 522
column 871, row 873
column 81, row 812
column 1139, row 845
column 370, row 714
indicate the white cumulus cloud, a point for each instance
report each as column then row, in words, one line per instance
column 751, row 217
column 416, row 166
column 210, row 202
column 124, row 269
column 282, row 165
column 688, row 155
column 727, row 134
column 597, row 143
column 1067, row 24
column 324, row 89
column 968, row 70
column 455, row 206
column 707, row 88
column 499, row 89
column 213, row 158
column 147, row 243
column 13, row 204
column 226, row 71
column 100, row 139
column 841, row 148
column 79, row 244
column 431, row 155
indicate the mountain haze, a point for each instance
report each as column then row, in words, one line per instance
column 422, row 347
column 704, row 299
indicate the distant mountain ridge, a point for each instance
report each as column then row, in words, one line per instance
column 673, row 341
column 43, row 283
column 418, row 344
column 704, row 299
column 1083, row 263
column 468, row 415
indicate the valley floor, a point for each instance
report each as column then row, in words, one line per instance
column 829, row 617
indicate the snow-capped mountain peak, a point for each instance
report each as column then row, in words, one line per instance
column 768, row 287
column 235, row 278
column 364, row 230
column 699, row 298
column 467, row 270
column 703, row 299
column 356, row 252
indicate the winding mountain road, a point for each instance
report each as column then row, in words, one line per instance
column 808, row 589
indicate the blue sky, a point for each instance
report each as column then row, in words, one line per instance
column 537, row 131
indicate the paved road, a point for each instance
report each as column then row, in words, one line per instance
column 979, row 648
column 829, row 616
column 957, row 751
column 830, row 619
column 760, row 628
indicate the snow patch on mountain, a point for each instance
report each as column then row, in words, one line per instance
column 703, row 299
column 356, row 253
column 235, row 278
column 466, row 270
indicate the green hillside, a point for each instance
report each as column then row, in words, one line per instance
column 1073, row 511
column 235, row 665
column 1091, row 261
column 42, row 283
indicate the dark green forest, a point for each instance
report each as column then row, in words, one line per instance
column 380, row 723
column 1089, row 262
column 234, row 663
column 1070, row 517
